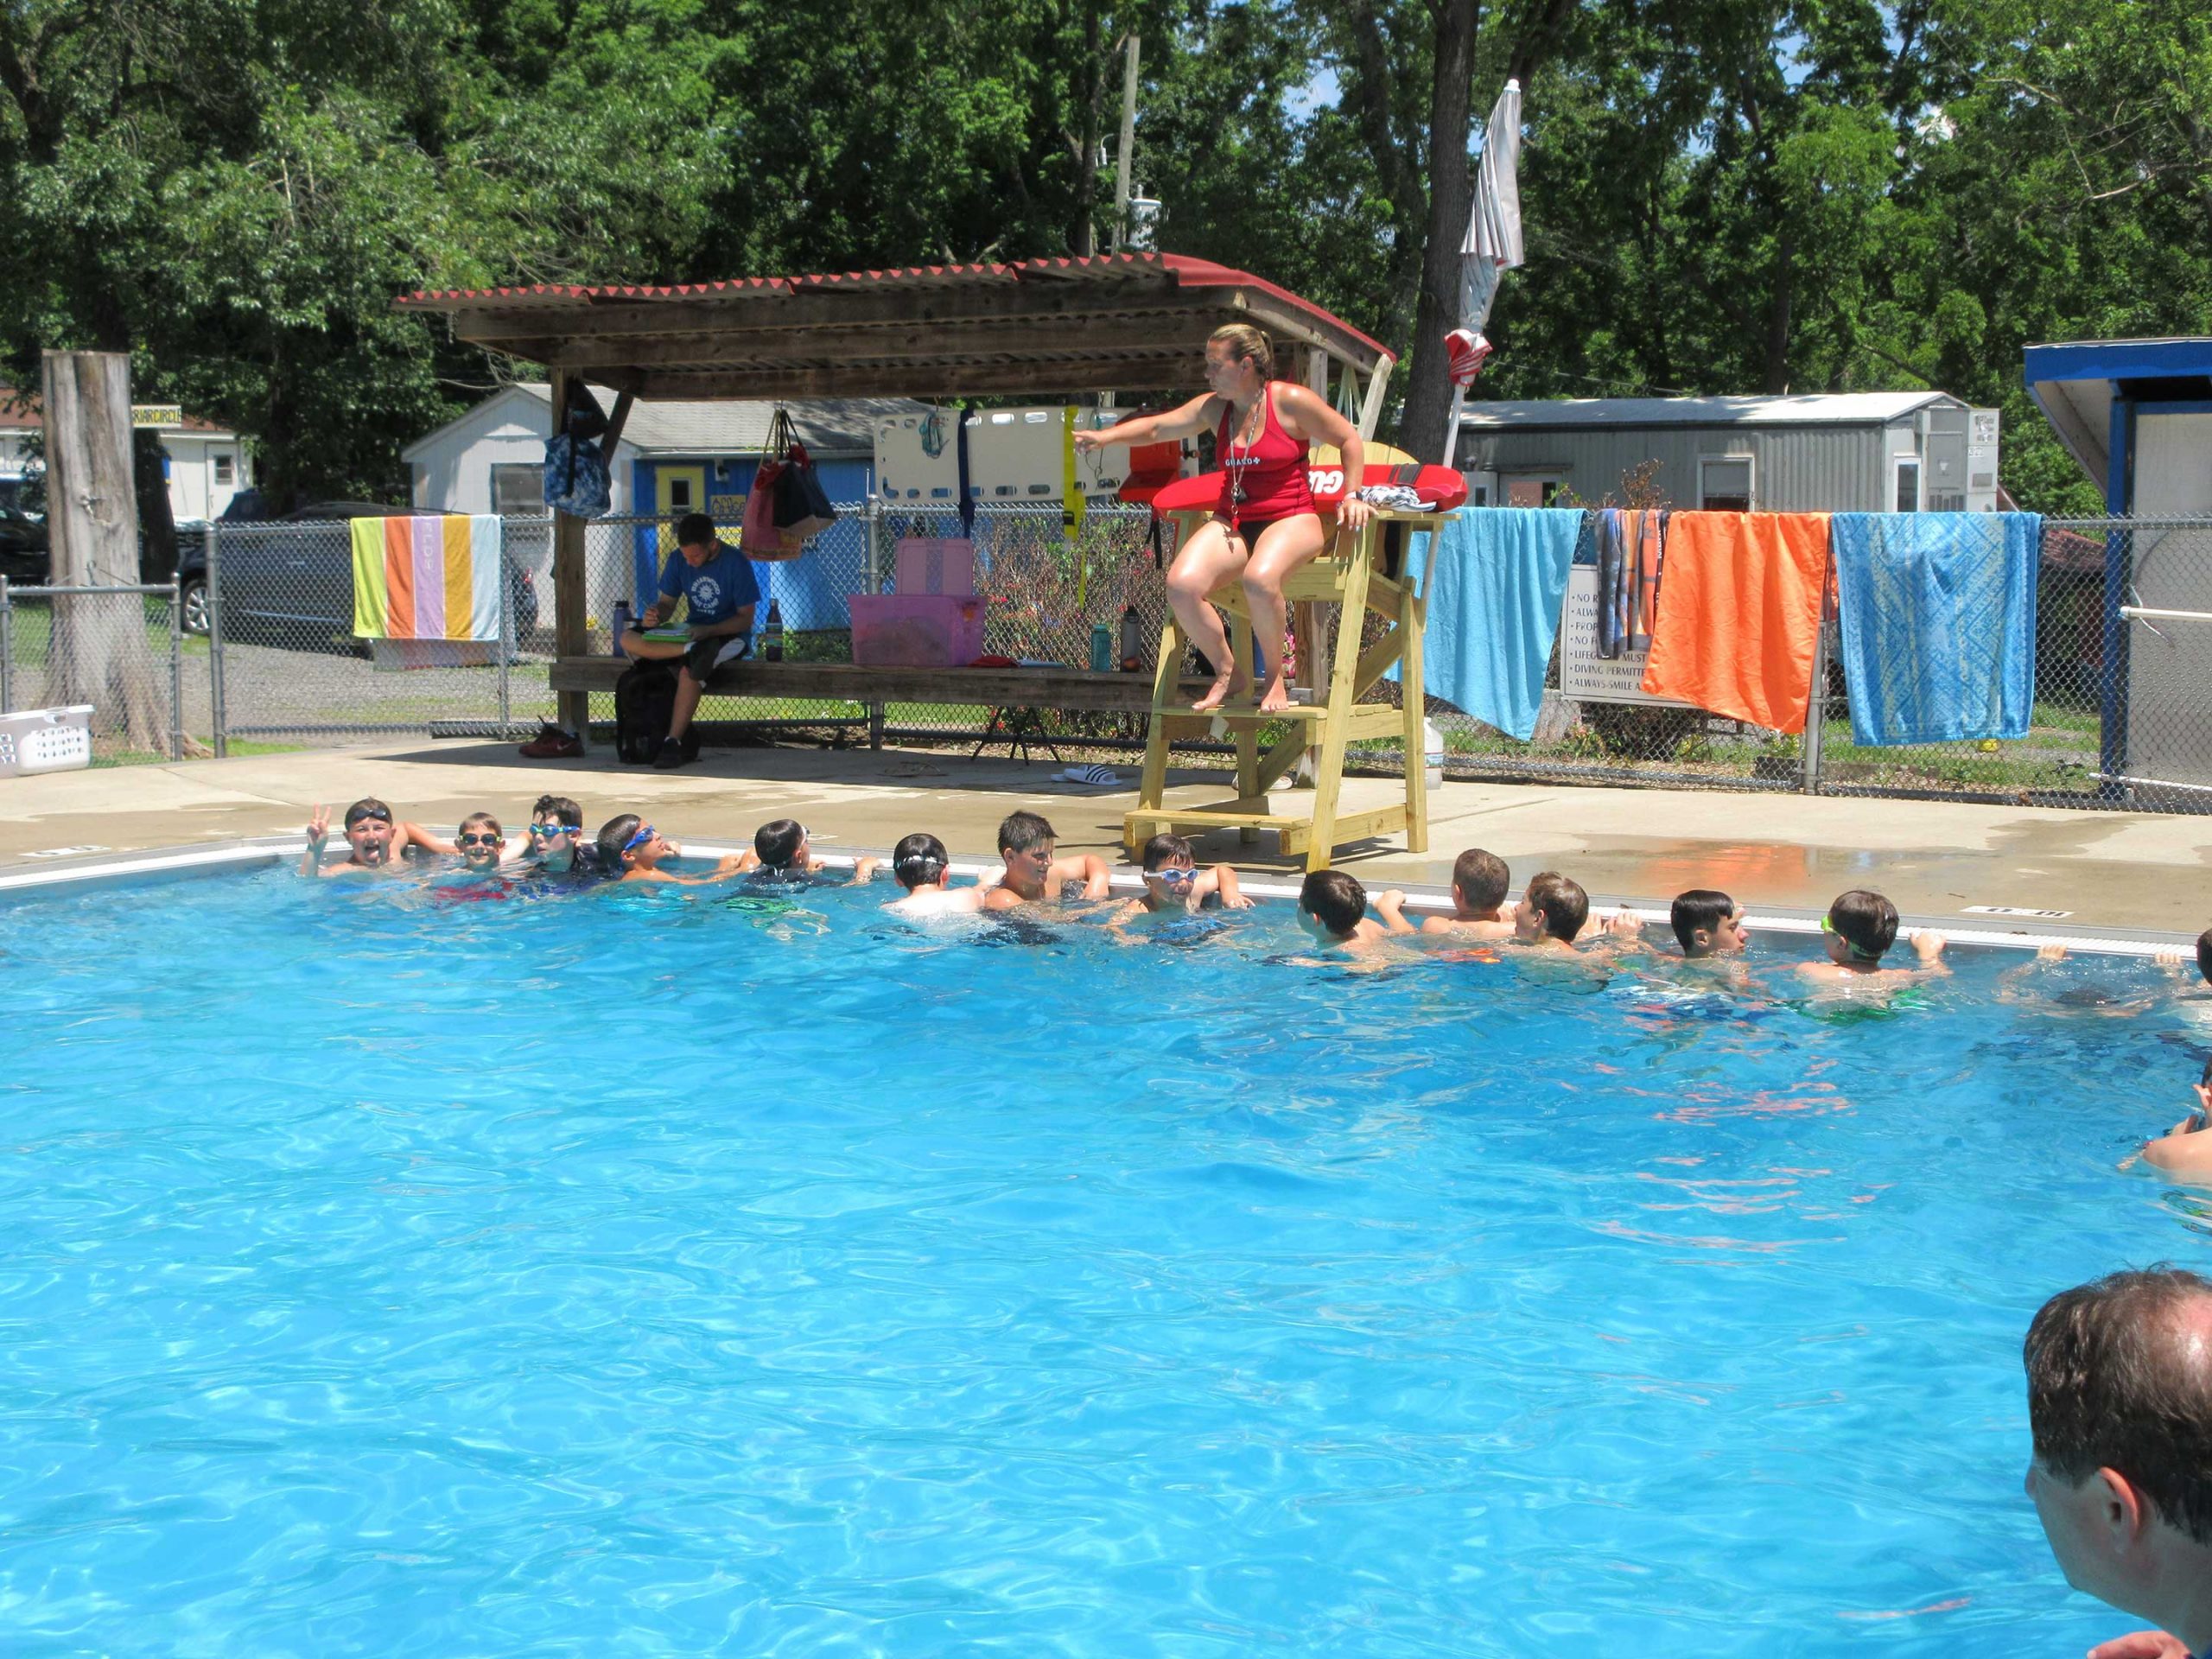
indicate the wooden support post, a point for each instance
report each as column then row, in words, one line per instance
column 571, row 621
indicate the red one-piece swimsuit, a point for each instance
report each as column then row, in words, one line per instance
column 1266, row 481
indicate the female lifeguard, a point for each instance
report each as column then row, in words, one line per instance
column 1266, row 526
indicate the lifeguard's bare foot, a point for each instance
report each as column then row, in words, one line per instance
column 1226, row 688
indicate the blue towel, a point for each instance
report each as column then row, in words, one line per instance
column 1501, row 573
column 1939, row 623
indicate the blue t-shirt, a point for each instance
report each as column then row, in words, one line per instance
column 716, row 590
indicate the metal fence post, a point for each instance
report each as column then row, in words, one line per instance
column 176, row 669
column 7, row 649
column 506, row 641
column 215, row 707
column 873, row 584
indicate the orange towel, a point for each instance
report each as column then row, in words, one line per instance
column 1741, row 612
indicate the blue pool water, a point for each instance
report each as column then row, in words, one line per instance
column 638, row 1277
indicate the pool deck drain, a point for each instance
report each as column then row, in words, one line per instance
column 2134, row 881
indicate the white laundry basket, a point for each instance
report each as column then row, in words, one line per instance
column 46, row 739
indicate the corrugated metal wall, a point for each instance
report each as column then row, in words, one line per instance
column 1827, row 468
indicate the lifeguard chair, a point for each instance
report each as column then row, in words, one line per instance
column 1360, row 571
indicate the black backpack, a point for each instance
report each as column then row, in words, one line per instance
column 645, row 708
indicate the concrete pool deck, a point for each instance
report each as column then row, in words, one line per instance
column 2141, row 875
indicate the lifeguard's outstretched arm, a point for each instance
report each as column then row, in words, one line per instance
column 1186, row 422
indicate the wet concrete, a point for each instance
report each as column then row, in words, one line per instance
column 2143, row 874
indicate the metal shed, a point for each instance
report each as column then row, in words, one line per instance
column 1841, row 452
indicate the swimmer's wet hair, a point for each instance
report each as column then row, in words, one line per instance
column 1165, row 849
column 1866, row 921
column 1023, row 831
column 919, row 860
column 481, row 821
column 367, row 807
column 613, row 835
column 1334, row 899
column 1700, row 908
column 1562, row 903
column 2205, row 955
column 1482, row 879
column 776, row 842
column 560, row 808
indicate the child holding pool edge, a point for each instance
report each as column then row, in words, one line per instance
column 922, row 866
column 1859, row 928
column 1708, row 924
column 1033, row 874
column 1479, row 884
column 634, row 847
column 782, row 847
column 1332, row 907
column 1175, row 883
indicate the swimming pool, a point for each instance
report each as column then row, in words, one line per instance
column 622, row 1275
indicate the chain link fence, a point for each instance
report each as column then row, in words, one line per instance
column 117, row 649
column 2121, row 709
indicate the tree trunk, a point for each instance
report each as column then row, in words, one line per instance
column 101, row 653
column 1450, row 199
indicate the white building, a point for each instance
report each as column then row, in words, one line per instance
column 1831, row 452
column 206, row 464
column 673, row 457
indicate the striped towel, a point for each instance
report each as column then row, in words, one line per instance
column 431, row 578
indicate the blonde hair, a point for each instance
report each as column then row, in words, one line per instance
column 1248, row 345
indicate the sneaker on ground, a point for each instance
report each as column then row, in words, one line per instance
column 671, row 753
column 552, row 743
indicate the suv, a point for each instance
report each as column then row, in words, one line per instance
column 290, row 581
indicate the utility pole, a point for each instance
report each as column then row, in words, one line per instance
column 1122, row 162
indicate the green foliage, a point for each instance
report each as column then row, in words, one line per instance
column 1720, row 195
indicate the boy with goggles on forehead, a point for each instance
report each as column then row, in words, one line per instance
column 634, row 847
column 1174, row 885
column 374, row 839
column 925, row 870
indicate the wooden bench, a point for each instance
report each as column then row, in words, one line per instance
column 1003, row 690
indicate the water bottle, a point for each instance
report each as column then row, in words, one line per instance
column 1132, row 640
column 620, row 626
column 1432, row 742
column 1102, row 648
column 771, row 636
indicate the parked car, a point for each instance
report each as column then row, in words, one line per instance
column 27, row 559
column 290, row 581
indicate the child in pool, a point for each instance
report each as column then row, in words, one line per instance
column 1551, row 913
column 2185, row 1150
column 635, row 847
column 1708, row 924
column 1479, row 884
column 374, row 838
column 1033, row 875
column 1332, row 907
column 781, row 847
column 923, row 867
column 1173, row 883
column 1859, row 927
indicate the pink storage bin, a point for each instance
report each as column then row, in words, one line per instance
column 916, row 630
column 942, row 564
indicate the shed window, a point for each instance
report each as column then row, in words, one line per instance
column 226, row 470
column 1908, row 490
column 519, row 489
column 1532, row 491
column 1724, row 483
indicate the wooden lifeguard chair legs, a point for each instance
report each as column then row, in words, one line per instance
column 1328, row 724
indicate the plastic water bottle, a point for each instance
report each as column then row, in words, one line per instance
column 1102, row 648
column 1432, row 743
column 772, row 635
column 1132, row 640
column 620, row 624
